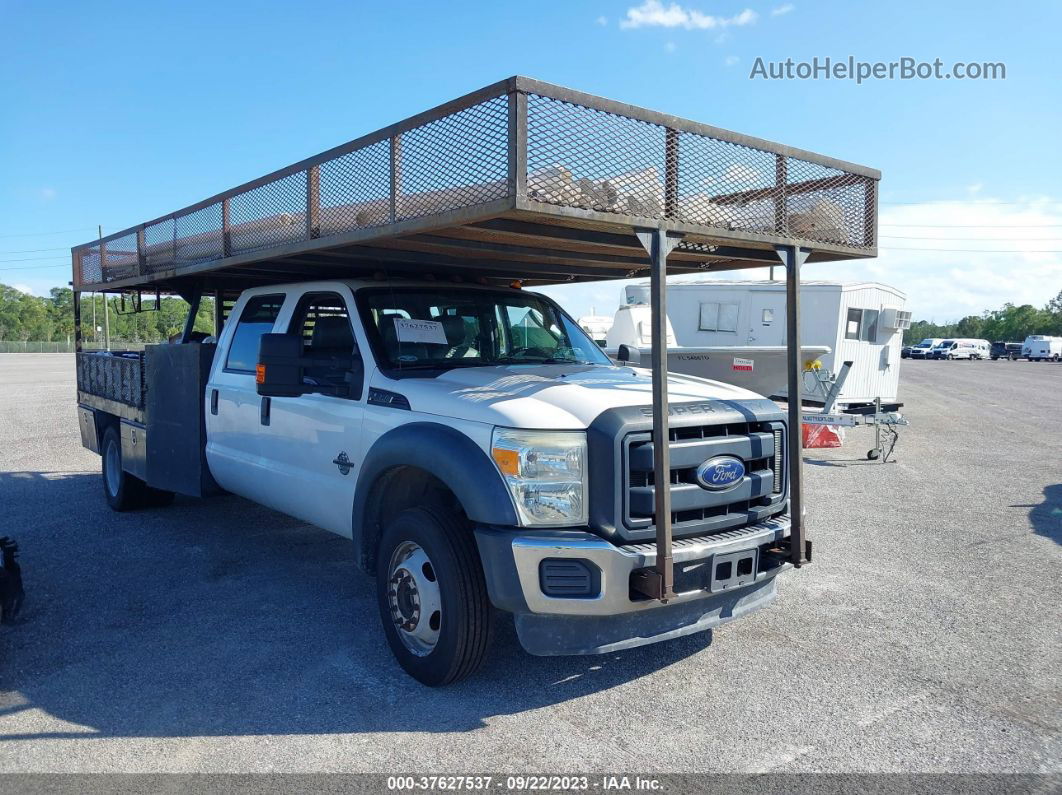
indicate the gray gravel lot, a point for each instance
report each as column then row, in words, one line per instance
column 220, row 636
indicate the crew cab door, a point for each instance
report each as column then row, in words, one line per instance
column 313, row 442
column 235, row 451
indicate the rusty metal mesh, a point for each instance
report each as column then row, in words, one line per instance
column 593, row 159
column 197, row 235
column 91, row 267
column 269, row 215
column 120, row 257
column 457, row 161
column 159, row 245
column 355, row 190
column 580, row 157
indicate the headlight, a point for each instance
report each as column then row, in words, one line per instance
column 545, row 472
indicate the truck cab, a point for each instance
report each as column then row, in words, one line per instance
column 483, row 454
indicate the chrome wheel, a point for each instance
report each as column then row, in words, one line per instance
column 112, row 468
column 414, row 598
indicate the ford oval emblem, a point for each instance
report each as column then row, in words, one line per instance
column 720, row 473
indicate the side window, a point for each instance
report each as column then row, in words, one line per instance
column 870, row 325
column 256, row 319
column 718, row 317
column 768, row 317
column 324, row 323
column 855, row 322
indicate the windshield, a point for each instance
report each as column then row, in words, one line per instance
column 946, row 344
column 924, row 345
column 446, row 327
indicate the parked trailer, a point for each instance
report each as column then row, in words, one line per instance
column 380, row 372
column 735, row 331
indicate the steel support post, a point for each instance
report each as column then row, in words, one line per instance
column 658, row 244
column 77, row 321
column 193, row 310
column 792, row 258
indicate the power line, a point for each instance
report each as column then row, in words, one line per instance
column 35, row 250
column 34, row 259
column 36, row 267
column 54, row 232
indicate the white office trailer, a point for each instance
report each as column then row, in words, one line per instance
column 735, row 331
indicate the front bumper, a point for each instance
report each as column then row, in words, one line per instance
column 616, row 617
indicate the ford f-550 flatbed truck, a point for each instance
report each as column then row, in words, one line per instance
column 380, row 370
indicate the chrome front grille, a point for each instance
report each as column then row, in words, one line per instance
column 695, row 510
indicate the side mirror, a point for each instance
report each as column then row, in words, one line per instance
column 629, row 355
column 279, row 370
column 282, row 364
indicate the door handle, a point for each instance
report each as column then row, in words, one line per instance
column 213, row 401
column 264, row 415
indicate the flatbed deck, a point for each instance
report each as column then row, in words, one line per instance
column 520, row 179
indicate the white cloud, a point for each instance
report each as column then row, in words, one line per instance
column 602, row 21
column 974, row 188
column 731, row 60
column 670, row 46
column 782, row 9
column 23, row 288
column 48, row 193
column 653, row 13
column 940, row 285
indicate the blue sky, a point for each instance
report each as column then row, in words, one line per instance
column 115, row 113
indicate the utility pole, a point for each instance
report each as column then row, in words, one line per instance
column 106, row 314
column 93, row 317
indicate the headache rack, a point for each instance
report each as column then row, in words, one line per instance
column 521, row 180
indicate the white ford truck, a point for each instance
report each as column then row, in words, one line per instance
column 380, row 372
column 480, row 450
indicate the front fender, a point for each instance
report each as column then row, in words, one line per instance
column 445, row 454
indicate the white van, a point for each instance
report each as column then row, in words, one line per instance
column 962, row 349
column 1039, row 348
column 924, row 349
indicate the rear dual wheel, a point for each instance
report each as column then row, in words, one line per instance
column 125, row 492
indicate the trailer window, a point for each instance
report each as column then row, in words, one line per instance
column 718, row 317
column 257, row 318
column 855, row 321
column 869, row 331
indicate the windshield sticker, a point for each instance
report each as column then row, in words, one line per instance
column 424, row 331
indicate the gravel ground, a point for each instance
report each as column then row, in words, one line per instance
column 219, row 636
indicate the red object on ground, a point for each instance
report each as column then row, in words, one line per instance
column 821, row 436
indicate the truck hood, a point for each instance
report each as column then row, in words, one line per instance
column 556, row 396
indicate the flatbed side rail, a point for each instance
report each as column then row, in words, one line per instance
column 117, row 377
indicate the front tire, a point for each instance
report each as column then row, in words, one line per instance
column 432, row 596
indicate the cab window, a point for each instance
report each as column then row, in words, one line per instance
column 257, row 318
column 324, row 324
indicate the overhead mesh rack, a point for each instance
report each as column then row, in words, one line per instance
column 521, row 178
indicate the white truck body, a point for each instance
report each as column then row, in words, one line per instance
column 320, row 456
